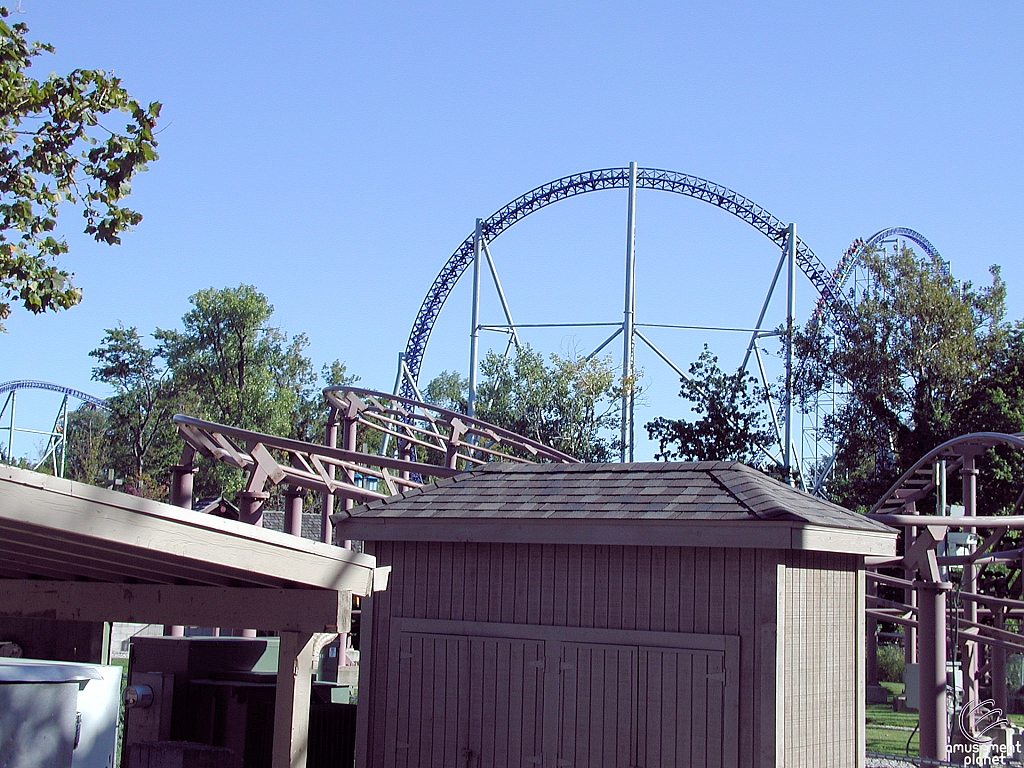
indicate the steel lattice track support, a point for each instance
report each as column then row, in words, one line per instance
column 56, row 445
column 743, row 208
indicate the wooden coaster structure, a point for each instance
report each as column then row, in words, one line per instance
column 412, row 443
column 942, row 619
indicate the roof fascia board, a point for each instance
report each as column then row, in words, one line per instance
column 111, row 530
column 150, row 508
column 670, row 533
column 281, row 610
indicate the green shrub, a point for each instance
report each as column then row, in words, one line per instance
column 890, row 664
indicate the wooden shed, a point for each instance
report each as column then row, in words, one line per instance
column 599, row 615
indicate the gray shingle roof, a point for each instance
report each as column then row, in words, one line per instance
column 724, row 490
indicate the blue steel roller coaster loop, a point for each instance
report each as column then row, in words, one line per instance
column 56, row 443
column 828, row 283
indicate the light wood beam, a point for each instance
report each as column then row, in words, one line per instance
column 280, row 610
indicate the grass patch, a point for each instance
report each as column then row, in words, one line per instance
column 888, row 731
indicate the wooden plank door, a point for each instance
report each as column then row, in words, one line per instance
column 597, row 706
column 467, row 702
column 683, row 709
column 506, row 703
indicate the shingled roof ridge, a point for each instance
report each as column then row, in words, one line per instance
column 736, row 479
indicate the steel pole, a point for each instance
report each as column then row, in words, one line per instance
column 628, row 321
column 790, row 326
column 10, row 435
column 932, row 669
column 474, row 333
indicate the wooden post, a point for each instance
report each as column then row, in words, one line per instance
column 291, row 705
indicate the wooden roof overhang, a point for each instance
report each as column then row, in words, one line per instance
column 78, row 552
column 697, row 504
column 647, row 533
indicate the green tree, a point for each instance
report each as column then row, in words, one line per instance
column 234, row 367
column 55, row 151
column 86, row 444
column 910, row 352
column 238, row 368
column 571, row 405
column 140, row 444
column 730, row 423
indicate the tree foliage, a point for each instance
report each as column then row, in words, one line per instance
column 570, row 405
column 730, row 423
column 144, row 400
column 238, row 368
column 911, row 353
column 86, row 444
column 55, row 151
column 228, row 364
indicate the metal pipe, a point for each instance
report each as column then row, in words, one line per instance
column 604, row 344
column 474, row 334
column 10, row 436
column 501, row 294
column 293, row 510
column 628, row 318
column 764, row 310
column 932, row 669
column 790, row 328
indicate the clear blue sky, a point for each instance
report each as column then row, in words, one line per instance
column 334, row 154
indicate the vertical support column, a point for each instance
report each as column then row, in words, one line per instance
column 182, row 482
column 10, row 433
column 910, row 634
column 474, row 331
column 293, row 510
column 327, row 504
column 64, row 436
column 998, row 655
column 932, row 675
column 787, row 452
column 628, row 321
column 291, row 704
column 969, row 579
column 873, row 692
column 349, row 425
column 250, row 506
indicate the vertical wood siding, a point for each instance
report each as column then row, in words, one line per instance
column 664, row 589
column 821, row 647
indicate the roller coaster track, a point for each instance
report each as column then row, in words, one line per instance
column 743, row 208
column 918, row 481
column 11, row 386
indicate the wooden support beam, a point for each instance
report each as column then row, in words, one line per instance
column 291, row 705
column 280, row 610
